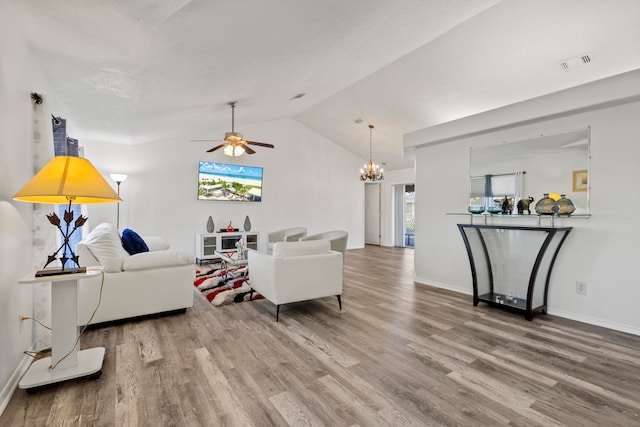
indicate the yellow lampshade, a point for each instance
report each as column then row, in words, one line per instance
column 67, row 178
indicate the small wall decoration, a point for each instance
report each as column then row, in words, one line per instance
column 580, row 178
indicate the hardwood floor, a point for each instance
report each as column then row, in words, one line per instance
column 397, row 354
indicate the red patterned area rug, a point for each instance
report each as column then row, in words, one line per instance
column 224, row 286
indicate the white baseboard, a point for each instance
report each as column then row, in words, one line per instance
column 12, row 384
column 595, row 321
column 560, row 313
column 442, row 285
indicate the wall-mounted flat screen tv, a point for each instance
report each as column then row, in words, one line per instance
column 222, row 181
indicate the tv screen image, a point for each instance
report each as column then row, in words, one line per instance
column 222, row 181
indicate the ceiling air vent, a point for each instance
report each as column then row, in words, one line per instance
column 571, row 63
column 357, row 120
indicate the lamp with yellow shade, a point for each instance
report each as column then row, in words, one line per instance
column 66, row 179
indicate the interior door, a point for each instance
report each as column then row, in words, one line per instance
column 372, row 218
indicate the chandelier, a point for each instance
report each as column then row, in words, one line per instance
column 371, row 171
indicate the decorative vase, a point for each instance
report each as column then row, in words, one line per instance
column 247, row 223
column 210, row 226
column 494, row 206
column 547, row 206
column 230, row 227
column 475, row 209
column 565, row 206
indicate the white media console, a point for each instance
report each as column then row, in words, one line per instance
column 208, row 243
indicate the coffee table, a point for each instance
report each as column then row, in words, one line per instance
column 231, row 258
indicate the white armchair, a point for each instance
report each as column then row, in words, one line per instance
column 286, row 235
column 296, row 271
column 337, row 238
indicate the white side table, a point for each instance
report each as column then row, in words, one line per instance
column 79, row 363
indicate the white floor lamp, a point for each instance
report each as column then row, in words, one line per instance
column 119, row 178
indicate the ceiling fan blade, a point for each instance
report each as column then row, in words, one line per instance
column 215, row 148
column 248, row 150
column 261, row 144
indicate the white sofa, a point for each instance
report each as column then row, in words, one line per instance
column 146, row 283
column 296, row 271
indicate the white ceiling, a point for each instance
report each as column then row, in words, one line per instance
column 137, row 71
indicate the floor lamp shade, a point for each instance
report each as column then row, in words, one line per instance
column 66, row 179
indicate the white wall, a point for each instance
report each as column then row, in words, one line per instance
column 308, row 181
column 19, row 76
column 601, row 251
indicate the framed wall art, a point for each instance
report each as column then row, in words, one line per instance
column 580, row 180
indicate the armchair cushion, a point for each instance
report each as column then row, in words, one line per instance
column 132, row 242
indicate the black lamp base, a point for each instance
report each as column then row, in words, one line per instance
column 59, row 271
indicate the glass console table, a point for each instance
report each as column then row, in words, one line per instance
column 511, row 265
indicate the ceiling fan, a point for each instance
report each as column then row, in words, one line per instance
column 233, row 143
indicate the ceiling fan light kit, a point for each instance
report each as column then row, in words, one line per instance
column 233, row 150
column 233, row 143
column 371, row 171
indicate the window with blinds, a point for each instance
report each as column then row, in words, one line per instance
column 489, row 192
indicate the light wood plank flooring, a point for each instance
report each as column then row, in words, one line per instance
column 397, row 354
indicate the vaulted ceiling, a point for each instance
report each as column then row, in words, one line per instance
column 141, row 71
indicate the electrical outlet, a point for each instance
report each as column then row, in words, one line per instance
column 581, row 288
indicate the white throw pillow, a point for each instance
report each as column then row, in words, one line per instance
column 157, row 259
column 105, row 245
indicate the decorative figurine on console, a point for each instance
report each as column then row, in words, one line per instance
column 242, row 250
column 524, row 204
column 507, row 206
column 230, row 227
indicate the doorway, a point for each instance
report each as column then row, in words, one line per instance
column 372, row 214
column 404, row 215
